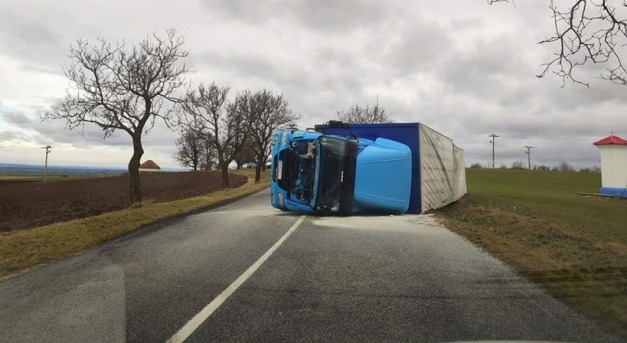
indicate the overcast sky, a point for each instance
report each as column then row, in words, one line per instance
column 462, row 67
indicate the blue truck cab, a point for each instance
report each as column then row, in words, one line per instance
column 333, row 174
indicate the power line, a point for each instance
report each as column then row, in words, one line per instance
column 47, row 147
column 528, row 152
column 18, row 149
column 492, row 141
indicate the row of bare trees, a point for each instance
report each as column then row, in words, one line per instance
column 193, row 150
column 116, row 87
column 563, row 166
column 226, row 127
column 260, row 113
column 357, row 114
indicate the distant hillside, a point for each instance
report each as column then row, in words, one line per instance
column 22, row 169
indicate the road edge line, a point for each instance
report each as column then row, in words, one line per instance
column 196, row 321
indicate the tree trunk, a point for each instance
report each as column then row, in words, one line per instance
column 225, row 170
column 225, row 175
column 133, row 171
column 257, row 173
column 258, row 168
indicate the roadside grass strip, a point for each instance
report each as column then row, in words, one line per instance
column 22, row 249
column 574, row 246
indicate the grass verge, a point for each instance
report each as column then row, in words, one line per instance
column 26, row 248
column 573, row 246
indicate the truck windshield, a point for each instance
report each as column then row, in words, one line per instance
column 332, row 156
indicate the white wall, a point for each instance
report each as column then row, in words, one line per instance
column 442, row 170
column 613, row 166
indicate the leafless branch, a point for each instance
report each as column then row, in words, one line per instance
column 587, row 32
column 116, row 88
column 360, row 114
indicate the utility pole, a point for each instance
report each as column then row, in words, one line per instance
column 492, row 141
column 47, row 147
column 528, row 152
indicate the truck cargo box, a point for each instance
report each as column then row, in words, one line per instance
column 438, row 175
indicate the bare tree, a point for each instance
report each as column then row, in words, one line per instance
column 208, row 158
column 122, row 89
column 264, row 112
column 518, row 165
column 211, row 115
column 247, row 154
column 587, row 31
column 191, row 148
column 359, row 114
column 565, row 167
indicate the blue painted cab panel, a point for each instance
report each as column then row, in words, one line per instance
column 383, row 177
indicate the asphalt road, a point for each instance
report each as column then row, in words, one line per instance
column 369, row 278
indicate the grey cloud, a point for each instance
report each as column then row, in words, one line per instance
column 54, row 131
column 7, row 135
column 27, row 39
column 15, row 117
column 41, row 69
column 244, row 65
column 572, row 97
column 37, row 34
column 325, row 15
column 487, row 69
column 341, row 15
column 419, row 48
column 328, row 75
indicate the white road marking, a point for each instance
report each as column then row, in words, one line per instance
column 200, row 318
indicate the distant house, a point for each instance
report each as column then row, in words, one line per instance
column 150, row 167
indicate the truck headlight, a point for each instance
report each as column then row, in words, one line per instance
column 281, row 200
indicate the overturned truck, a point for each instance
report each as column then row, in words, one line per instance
column 342, row 169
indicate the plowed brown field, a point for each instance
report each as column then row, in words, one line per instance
column 31, row 204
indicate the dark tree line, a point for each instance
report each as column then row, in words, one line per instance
column 208, row 112
column 357, row 114
column 261, row 113
column 192, row 149
column 234, row 128
column 562, row 166
column 264, row 112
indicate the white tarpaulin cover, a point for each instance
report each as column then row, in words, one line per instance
column 442, row 170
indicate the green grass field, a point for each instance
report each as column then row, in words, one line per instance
column 574, row 246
